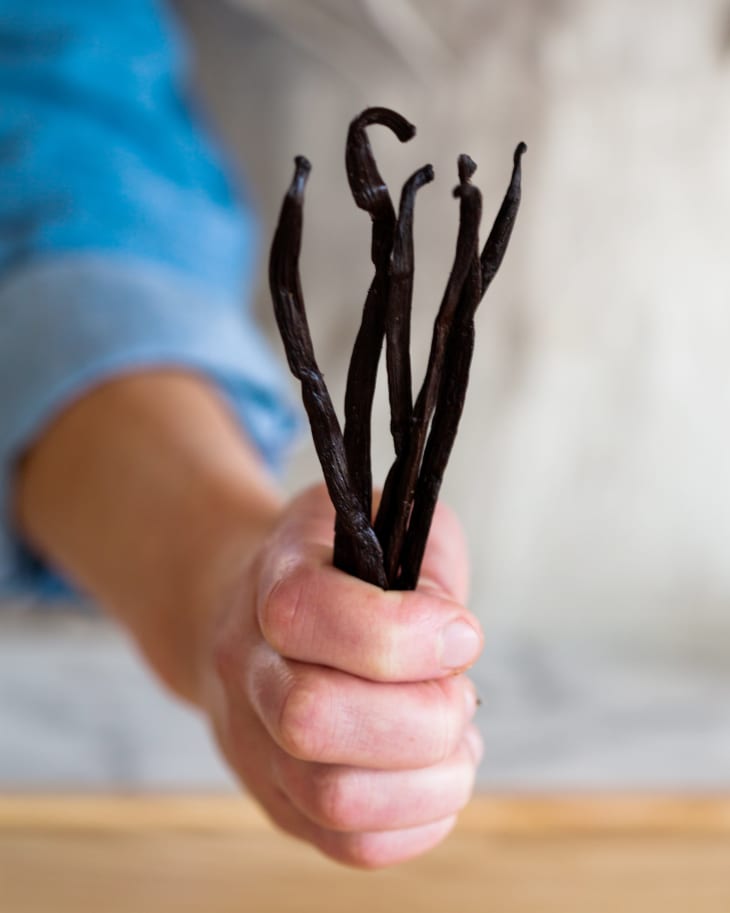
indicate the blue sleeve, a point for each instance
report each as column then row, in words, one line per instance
column 122, row 241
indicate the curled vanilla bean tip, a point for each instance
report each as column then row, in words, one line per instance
column 370, row 193
column 385, row 117
column 467, row 167
column 401, row 262
column 519, row 152
column 367, row 186
column 423, row 176
column 403, row 235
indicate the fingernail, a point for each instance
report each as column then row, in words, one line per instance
column 460, row 645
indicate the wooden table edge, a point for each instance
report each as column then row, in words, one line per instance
column 490, row 814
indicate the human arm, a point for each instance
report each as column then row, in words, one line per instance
column 333, row 701
column 125, row 243
column 135, row 408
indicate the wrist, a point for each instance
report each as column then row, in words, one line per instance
column 219, row 566
column 139, row 493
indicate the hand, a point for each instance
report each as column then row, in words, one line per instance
column 341, row 706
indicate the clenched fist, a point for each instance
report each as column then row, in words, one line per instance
column 340, row 706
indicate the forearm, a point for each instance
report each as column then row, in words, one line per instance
column 139, row 492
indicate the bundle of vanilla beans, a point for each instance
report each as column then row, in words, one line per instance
column 388, row 552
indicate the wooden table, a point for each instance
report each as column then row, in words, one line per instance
column 508, row 855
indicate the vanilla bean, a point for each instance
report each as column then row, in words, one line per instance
column 397, row 336
column 370, row 194
column 452, row 394
column 286, row 291
column 391, row 553
column 499, row 237
column 398, row 311
column 444, row 426
column 400, row 485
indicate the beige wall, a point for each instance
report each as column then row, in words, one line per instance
column 592, row 467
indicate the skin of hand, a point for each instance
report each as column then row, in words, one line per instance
column 342, row 708
column 339, row 705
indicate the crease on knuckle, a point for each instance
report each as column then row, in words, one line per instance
column 279, row 617
column 387, row 642
column 335, row 804
column 304, row 730
column 447, row 734
column 226, row 660
column 363, row 851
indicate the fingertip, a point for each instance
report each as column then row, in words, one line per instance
column 371, row 851
column 461, row 644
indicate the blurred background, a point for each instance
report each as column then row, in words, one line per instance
column 591, row 469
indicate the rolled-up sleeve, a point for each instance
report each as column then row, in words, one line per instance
column 123, row 243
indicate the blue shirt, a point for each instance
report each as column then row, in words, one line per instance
column 123, row 241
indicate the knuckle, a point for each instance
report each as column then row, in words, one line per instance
column 404, row 623
column 278, row 616
column 226, row 660
column 384, row 660
column 304, row 726
column 336, row 805
column 364, row 851
column 447, row 734
column 378, row 850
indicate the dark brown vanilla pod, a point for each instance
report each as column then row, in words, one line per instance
column 496, row 244
column 452, row 393
column 289, row 309
column 370, row 194
column 366, row 183
column 398, row 311
column 423, row 432
column 445, row 424
column 398, row 335
column 400, row 485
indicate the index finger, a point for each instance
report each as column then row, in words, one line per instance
column 309, row 526
column 311, row 612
